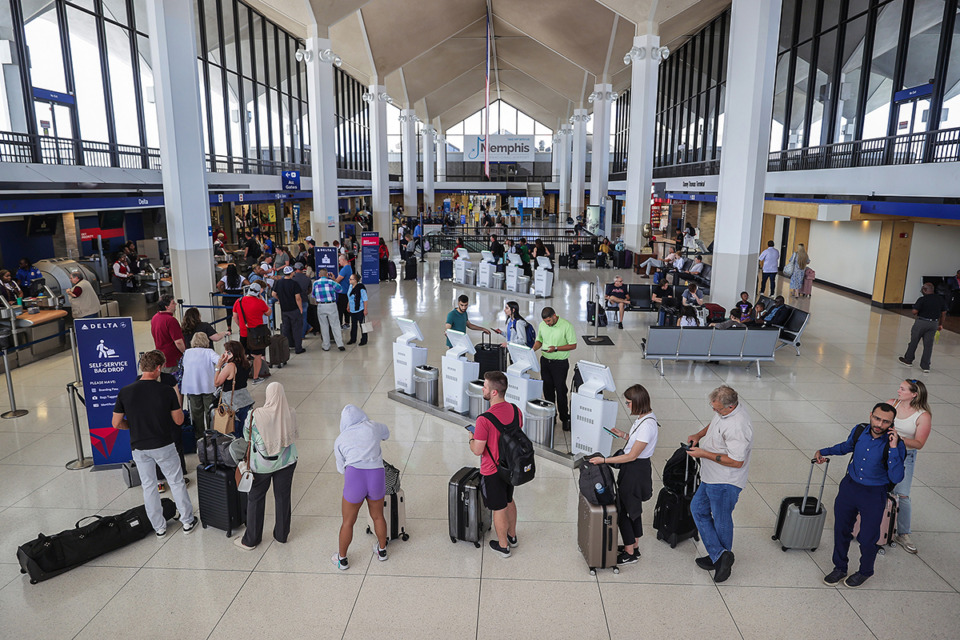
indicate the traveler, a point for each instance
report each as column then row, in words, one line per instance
column 688, row 318
column 457, row 319
column 193, row 324
column 879, row 453
column 662, row 295
column 930, row 310
column 799, row 260
column 248, row 312
column 84, row 302
column 199, row 363
column 743, row 310
column 770, row 265
column 540, row 250
column 695, row 269
column 359, row 459
column 325, row 293
column 496, row 249
column 912, row 424
column 167, row 334
column 497, row 493
column 343, row 281
column 776, row 315
column 618, row 295
column 357, row 306
column 648, row 263
column 10, row 289
column 692, row 297
column 306, row 289
column 516, row 325
column 27, row 274
column 556, row 339
column 271, row 431
column 151, row 412
column 230, row 376
column 287, row 292
column 251, row 248
column 724, row 448
column 635, row 480
column 281, row 259
column 231, row 286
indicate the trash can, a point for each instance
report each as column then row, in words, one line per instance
column 470, row 277
column 498, row 280
column 475, row 395
column 523, row 284
column 538, row 421
column 426, row 383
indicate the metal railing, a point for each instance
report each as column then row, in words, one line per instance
column 705, row 168
column 26, row 148
column 262, row 166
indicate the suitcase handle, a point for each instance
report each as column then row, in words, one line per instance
column 806, row 492
column 77, row 526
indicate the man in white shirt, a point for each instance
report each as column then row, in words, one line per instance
column 724, row 449
column 770, row 264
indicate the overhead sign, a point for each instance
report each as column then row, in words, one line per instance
column 326, row 258
column 108, row 362
column 86, row 235
column 291, row 180
column 502, row 148
column 370, row 257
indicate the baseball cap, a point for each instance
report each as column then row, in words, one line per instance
column 287, row 270
column 265, row 266
column 297, row 266
column 254, row 288
column 309, row 238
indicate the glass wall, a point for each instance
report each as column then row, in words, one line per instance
column 353, row 127
column 620, row 129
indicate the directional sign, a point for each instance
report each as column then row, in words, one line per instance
column 291, row 180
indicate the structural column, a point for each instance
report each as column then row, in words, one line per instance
column 751, row 71
column 441, row 158
column 579, row 162
column 645, row 58
column 325, row 221
column 428, row 134
column 182, row 155
column 378, row 99
column 563, row 157
column 555, row 157
column 603, row 95
column 408, row 140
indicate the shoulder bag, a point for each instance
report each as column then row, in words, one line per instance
column 243, row 474
column 257, row 337
column 224, row 416
column 790, row 266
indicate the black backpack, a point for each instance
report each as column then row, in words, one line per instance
column 593, row 474
column 680, row 473
column 516, row 465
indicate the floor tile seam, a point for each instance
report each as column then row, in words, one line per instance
column 726, row 606
column 950, row 586
column 353, row 607
column 229, row 604
column 65, row 470
column 843, row 596
column 109, row 600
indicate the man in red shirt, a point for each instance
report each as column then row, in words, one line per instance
column 497, row 494
column 248, row 312
column 167, row 334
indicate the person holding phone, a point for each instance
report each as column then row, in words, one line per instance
column 635, row 480
column 913, row 425
column 875, row 466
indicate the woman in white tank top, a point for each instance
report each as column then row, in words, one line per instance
column 913, row 423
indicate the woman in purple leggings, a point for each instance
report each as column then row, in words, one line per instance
column 360, row 461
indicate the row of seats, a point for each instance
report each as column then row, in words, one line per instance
column 710, row 344
column 701, row 279
column 641, row 296
column 792, row 327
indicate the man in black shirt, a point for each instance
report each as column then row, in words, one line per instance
column 930, row 310
column 662, row 294
column 287, row 291
column 251, row 248
column 618, row 295
column 151, row 412
column 496, row 248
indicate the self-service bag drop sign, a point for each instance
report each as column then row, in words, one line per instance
column 108, row 362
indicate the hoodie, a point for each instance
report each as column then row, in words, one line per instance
column 358, row 444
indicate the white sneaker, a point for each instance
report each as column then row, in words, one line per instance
column 905, row 542
column 339, row 563
column 380, row 553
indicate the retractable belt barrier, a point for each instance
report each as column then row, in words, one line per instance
column 14, row 412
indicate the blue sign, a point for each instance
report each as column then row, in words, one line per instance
column 370, row 257
column 291, row 180
column 913, row 92
column 326, row 258
column 53, row 96
column 108, row 362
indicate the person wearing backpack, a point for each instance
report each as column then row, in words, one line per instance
column 876, row 466
column 519, row 331
column 486, row 441
column 635, row 480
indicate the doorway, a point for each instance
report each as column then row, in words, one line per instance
column 55, row 128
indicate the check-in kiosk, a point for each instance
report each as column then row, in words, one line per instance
column 590, row 413
column 514, row 270
column 543, row 278
column 460, row 265
column 488, row 266
column 520, row 386
column 407, row 356
column 458, row 372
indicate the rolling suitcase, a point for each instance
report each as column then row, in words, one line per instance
column 888, row 523
column 219, row 503
column 491, row 357
column 391, row 270
column 446, row 269
column 801, row 519
column 591, row 312
column 410, row 268
column 278, row 353
column 716, row 313
column 597, row 534
column 671, row 517
column 468, row 517
column 395, row 513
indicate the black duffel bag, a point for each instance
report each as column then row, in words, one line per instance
column 49, row 556
column 214, row 448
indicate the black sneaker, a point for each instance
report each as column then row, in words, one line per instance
column 342, row 348
column 905, row 362
column 834, row 577
column 705, row 563
column 723, row 564
column 566, row 425
column 187, row 528
column 856, row 580
column 512, row 541
column 620, row 325
column 628, row 558
column 504, row 552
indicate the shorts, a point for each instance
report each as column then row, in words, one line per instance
column 360, row 484
column 497, row 494
column 251, row 352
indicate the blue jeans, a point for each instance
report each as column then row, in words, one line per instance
column 239, row 419
column 712, row 511
column 903, row 490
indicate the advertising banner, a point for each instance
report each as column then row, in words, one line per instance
column 502, row 148
column 108, row 362
column 326, row 258
column 370, row 257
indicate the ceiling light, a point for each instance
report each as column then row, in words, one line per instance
column 327, row 55
column 303, row 55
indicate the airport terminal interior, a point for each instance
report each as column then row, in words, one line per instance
column 150, row 147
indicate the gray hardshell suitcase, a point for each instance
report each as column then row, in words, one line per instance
column 800, row 522
column 597, row 535
column 469, row 518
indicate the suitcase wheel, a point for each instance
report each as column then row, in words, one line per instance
column 696, row 536
column 593, row 572
column 453, row 539
column 784, row 549
column 32, row 581
column 368, row 530
column 774, row 537
column 404, row 536
column 22, row 570
column 476, row 544
column 229, row 532
column 616, row 570
column 812, row 550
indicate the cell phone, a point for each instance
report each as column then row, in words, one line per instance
column 471, row 428
column 611, row 432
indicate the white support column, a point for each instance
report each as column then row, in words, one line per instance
column 751, row 71
column 555, row 157
column 377, row 99
column 644, row 56
column 408, row 131
column 566, row 137
column 182, row 156
column 578, row 166
column 441, row 158
column 427, row 134
column 320, row 59
column 603, row 96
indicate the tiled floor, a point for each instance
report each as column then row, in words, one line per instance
column 201, row 586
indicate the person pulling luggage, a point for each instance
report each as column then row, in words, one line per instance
column 875, row 467
column 635, row 480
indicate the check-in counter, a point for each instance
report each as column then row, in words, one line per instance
column 43, row 324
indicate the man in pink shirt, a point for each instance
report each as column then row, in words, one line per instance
column 167, row 334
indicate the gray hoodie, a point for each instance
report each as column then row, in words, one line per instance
column 358, row 444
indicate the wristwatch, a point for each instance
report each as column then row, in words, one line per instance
column 719, row 455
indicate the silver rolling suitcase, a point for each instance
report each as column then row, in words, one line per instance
column 468, row 517
column 800, row 522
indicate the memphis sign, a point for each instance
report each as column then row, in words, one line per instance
column 502, row 148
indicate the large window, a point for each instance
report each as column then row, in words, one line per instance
column 353, row 127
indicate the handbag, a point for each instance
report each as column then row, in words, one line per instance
column 365, row 327
column 224, row 416
column 243, row 474
column 257, row 337
column 790, row 266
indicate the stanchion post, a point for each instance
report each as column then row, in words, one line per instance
column 76, row 356
column 82, row 462
column 14, row 412
column 596, row 310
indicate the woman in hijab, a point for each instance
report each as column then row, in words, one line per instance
column 271, row 431
column 360, row 460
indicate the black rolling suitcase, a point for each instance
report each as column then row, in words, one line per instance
column 446, row 269
column 219, row 503
column 278, row 353
column 49, row 556
column 592, row 311
column 391, row 270
column 410, row 268
column 671, row 517
column 468, row 517
column 491, row 357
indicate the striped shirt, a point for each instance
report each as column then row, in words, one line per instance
column 325, row 290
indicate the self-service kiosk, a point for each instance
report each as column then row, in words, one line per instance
column 488, row 266
column 543, row 278
column 514, row 271
column 458, row 372
column 460, row 265
column 521, row 388
column 406, row 355
column 590, row 414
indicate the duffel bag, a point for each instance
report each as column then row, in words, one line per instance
column 214, row 448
